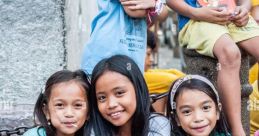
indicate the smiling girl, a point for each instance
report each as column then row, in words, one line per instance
column 120, row 101
column 62, row 109
column 194, row 108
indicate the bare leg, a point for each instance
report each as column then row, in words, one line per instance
column 228, row 81
column 252, row 47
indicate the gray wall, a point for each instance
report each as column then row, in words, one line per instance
column 37, row 38
column 79, row 14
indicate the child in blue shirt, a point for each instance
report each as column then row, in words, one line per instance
column 118, row 28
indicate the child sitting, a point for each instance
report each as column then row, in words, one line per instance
column 219, row 33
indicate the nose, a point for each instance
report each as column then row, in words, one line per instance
column 151, row 58
column 112, row 103
column 69, row 112
column 198, row 117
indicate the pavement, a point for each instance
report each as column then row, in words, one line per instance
column 166, row 58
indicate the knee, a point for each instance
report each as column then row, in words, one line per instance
column 230, row 56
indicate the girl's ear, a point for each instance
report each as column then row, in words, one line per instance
column 46, row 111
column 219, row 110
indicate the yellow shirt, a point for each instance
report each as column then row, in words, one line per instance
column 255, row 2
column 254, row 100
column 160, row 80
column 254, row 109
column 253, row 73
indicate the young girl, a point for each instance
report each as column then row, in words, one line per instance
column 62, row 109
column 194, row 108
column 120, row 101
column 220, row 33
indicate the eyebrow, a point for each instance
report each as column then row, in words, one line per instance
column 113, row 89
column 188, row 106
column 207, row 101
column 62, row 100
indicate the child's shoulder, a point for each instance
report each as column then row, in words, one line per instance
column 159, row 124
column 158, row 117
column 36, row 131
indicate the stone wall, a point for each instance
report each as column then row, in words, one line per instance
column 37, row 38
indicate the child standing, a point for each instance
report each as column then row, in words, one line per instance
column 219, row 33
column 121, row 104
column 118, row 29
column 62, row 109
column 194, row 108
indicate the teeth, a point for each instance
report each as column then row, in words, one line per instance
column 115, row 114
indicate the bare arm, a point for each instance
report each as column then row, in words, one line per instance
column 245, row 3
column 142, row 5
column 163, row 15
column 241, row 13
column 139, row 13
column 207, row 14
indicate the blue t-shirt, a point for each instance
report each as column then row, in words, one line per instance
column 35, row 132
column 182, row 20
column 114, row 32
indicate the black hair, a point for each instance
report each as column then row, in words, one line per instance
column 43, row 99
column 195, row 85
column 140, row 119
column 151, row 40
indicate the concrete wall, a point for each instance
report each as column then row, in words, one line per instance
column 79, row 14
column 37, row 38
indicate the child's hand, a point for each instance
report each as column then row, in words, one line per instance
column 213, row 15
column 240, row 16
column 138, row 4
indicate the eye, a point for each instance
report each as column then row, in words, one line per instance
column 119, row 93
column 59, row 105
column 79, row 105
column 101, row 98
column 186, row 112
column 206, row 108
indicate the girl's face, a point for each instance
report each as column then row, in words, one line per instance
column 67, row 107
column 148, row 59
column 196, row 112
column 116, row 98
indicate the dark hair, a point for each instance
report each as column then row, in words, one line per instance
column 43, row 99
column 195, row 85
column 140, row 119
column 151, row 40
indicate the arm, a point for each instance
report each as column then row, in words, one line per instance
column 131, row 6
column 137, row 8
column 245, row 3
column 255, row 13
column 241, row 15
column 140, row 13
column 163, row 15
column 207, row 14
